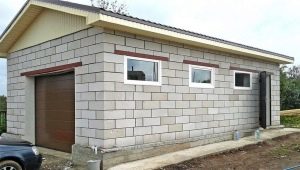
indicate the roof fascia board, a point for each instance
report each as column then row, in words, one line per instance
column 3, row 55
column 110, row 21
column 61, row 8
column 12, row 25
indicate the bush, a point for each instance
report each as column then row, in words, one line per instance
column 3, row 109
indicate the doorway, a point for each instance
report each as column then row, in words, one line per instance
column 265, row 99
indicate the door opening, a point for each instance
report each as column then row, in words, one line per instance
column 265, row 99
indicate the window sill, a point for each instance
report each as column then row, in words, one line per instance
column 242, row 88
column 146, row 83
column 201, row 85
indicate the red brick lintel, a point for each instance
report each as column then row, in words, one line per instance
column 244, row 69
column 200, row 63
column 140, row 55
column 61, row 68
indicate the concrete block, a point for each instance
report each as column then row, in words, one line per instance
column 125, row 105
column 213, row 110
column 81, row 123
column 142, row 131
column 174, row 96
column 168, row 137
column 160, row 129
column 159, row 96
column 73, row 45
column 175, row 112
column 114, row 133
column 129, row 132
column 124, row 123
column 182, row 104
column 151, row 121
column 151, row 105
column 142, row 113
column 135, row 43
column 153, row 46
column 88, row 114
column 151, row 138
column 201, row 97
column 81, row 52
column 188, row 111
column 142, row 96
column 159, row 112
column 167, row 104
column 188, row 96
column 114, row 39
column 80, row 34
column 128, row 141
column 196, row 133
column 114, row 114
column 169, row 49
column 167, row 120
column 182, row 119
column 182, row 135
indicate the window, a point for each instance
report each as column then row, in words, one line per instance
column 242, row 80
column 203, row 77
column 142, row 71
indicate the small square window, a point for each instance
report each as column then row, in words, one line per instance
column 242, row 80
column 202, row 77
column 141, row 71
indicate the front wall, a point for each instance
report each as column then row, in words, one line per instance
column 112, row 114
column 85, row 46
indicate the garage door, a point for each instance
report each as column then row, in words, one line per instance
column 55, row 111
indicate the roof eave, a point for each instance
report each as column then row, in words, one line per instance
column 111, row 22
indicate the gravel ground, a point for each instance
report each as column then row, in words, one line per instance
column 56, row 163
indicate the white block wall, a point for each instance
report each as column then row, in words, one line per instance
column 110, row 113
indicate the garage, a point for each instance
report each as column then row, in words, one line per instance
column 55, row 111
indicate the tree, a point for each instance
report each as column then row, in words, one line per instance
column 113, row 6
column 3, row 103
column 290, row 87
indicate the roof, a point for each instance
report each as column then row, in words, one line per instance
column 105, row 18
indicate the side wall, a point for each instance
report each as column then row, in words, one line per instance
column 138, row 116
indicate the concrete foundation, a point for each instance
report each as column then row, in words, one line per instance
column 113, row 157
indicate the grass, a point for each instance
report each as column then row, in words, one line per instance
column 285, row 150
column 291, row 121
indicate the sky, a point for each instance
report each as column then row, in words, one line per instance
column 269, row 24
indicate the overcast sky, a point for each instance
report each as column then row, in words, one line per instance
column 269, row 24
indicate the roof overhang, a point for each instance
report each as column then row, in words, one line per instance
column 106, row 19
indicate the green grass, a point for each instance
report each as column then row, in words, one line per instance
column 291, row 121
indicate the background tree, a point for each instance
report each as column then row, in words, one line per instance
column 290, row 87
column 113, row 6
column 3, row 103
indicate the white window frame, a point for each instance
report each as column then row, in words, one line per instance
column 242, row 88
column 202, row 85
column 137, row 82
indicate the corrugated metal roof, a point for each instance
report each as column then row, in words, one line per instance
column 156, row 25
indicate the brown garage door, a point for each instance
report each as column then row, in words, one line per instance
column 55, row 111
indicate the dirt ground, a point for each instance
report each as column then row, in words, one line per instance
column 279, row 153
